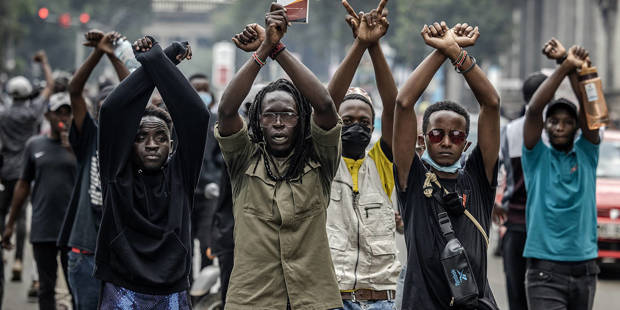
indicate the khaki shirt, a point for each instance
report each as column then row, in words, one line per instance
column 281, row 247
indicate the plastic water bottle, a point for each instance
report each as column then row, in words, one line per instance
column 124, row 53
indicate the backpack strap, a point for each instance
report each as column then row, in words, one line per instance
column 431, row 179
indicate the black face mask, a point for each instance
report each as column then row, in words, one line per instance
column 355, row 139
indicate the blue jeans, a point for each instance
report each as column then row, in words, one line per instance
column 400, row 285
column 369, row 305
column 84, row 287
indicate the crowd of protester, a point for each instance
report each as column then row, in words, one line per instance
column 280, row 184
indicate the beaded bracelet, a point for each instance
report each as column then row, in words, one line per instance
column 460, row 57
column 473, row 64
column 277, row 50
column 460, row 63
column 258, row 61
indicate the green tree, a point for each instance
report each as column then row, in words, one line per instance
column 327, row 34
column 27, row 33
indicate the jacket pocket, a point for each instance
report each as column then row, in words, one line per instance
column 387, row 267
column 148, row 260
column 377, row 214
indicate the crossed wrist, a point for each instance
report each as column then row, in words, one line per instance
column 452, row 52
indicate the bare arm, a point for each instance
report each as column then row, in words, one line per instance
column 119, row 67
column 41, row 58
column 488, row 121
column 387, row 91
column 405, row 119
column 20, row 194
column 325, row 114
column 229, row 120
column 533, row 117
column 76, row 85
column 340, row 82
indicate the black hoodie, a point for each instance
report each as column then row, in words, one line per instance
column 144, row 239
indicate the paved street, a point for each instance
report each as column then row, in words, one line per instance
column 607, row 294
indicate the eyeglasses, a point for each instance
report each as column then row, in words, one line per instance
column 437, row 135
column 288, row 119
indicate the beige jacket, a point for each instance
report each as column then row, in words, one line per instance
column 361, row 230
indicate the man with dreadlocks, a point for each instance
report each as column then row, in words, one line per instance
column 281, row 166
column 361, row 222
column 435, row 189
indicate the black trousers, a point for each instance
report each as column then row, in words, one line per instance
column 514, row 267
column 226, row 266
column 552, row 285
column 45, row 256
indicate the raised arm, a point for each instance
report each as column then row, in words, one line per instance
column 487, row 97
column 76, row 85
column 41, row 58
column 405, row 120
column 554, row 50
column 189, row 113
column 544, row 94
column 120, row 115
column 368, row 30
column 325, row 114
column 340, row 82
column 252, row 38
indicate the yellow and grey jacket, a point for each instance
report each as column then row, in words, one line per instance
column 360, row 223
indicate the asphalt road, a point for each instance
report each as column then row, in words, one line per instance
column 607, row 294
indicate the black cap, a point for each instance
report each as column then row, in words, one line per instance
column 531, row 84
column 564, row 104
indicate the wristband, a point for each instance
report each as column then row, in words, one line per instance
column 258, row 61
column 460, row 57
column 277, row 50
column 473, row 64
column 560, row 60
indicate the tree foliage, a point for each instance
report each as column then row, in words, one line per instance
column 327, row 35
column 24, row 31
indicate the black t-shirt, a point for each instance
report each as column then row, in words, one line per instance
column 81, row 222
column 52, row 168
column 425, row 284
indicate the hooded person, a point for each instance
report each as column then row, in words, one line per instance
column 143, row 248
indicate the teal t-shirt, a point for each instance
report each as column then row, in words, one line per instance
column 561, row 202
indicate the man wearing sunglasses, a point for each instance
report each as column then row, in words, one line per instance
column 445, row 129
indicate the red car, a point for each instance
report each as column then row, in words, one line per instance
column 608, row 198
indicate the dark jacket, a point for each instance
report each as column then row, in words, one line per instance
column 144, row 241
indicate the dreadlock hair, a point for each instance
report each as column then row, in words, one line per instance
column 362, row 98
column 152, row 110
column 303, row 150
column 445, row 105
